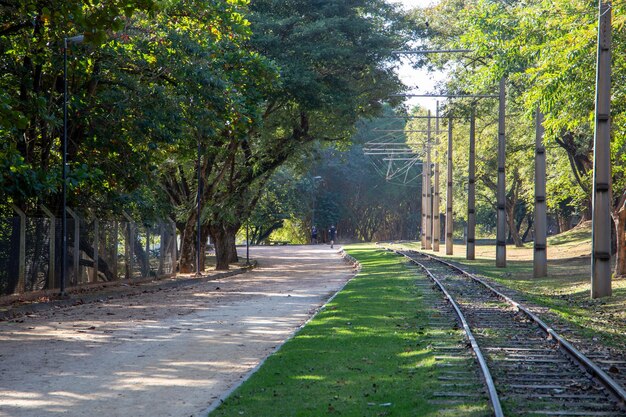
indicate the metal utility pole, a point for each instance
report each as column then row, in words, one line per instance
column 471, row 191
column 429, row 205
column 66, row 41
column 501, row 189
column 436, row 197
column 540, row 255
column 198, row 213
column 449, row 218
column 601, row 220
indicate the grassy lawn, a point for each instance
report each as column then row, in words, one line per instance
column 366, row 354
column 566, row 289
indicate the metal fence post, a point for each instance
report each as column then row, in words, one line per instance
column 174, row 247
column 96, row 249
column 21, row 278
column 76, row 248
column 601, row 220
column 146, row 273
column 130, row 245
column 161, row 249
column 51, row 261
column 116, row 241
column 540, row 256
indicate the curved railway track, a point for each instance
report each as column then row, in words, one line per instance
column 528, row 369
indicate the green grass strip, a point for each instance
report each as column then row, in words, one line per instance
column 365, row 354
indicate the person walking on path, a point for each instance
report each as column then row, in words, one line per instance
column 314, row 235
column 332, row 234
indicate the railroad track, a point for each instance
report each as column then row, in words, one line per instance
column 528, row 369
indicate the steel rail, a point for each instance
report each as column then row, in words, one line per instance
column 613, row 386
column 484, row 368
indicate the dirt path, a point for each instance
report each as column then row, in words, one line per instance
column 164, row 353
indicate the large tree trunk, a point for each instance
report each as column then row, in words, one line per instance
column 529, row 219
column 510, row 208
column 187, row 258
column 619, row 219
column 564, row 223
column 220, row 240
column 585, row 213
column 231, row 234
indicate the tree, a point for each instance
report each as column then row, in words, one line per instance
column 551, row 69
column 335, row 66
column 223, row 84
column 31, row 41
column 355, row 197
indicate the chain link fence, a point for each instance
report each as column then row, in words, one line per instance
column 98, row 251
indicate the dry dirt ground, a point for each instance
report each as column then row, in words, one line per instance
column 167, row 352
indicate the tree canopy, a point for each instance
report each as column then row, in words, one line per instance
column 546, row 50
column 162, row 90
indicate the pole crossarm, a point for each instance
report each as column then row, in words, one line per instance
column 420, row 117
column 386, row 144
column 448, row 95
column 390, row 153
column 431, row 51
column 399, row 130
column 395, row 148
column 403, row 159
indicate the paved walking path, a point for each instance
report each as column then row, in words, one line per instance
column 170, row 352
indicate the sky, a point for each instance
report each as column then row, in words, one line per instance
column 421, row 81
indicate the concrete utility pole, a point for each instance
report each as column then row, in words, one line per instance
column 601, row 220
column 429, row 205
column 501, row 189
column 424, row 187
column 449, row 215
column 436, row 197
column 540, row 255
column 471, row 191
column 423, row 231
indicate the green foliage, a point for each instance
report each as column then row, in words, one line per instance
column 292, row 231
column 546, row 51
column 31, row 40
column 354, row 196
column 155, row 80
column 283, row 197
column 334, row 64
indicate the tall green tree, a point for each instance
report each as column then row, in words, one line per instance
column 31, row 41
column 547, row 50
column 335, row 66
